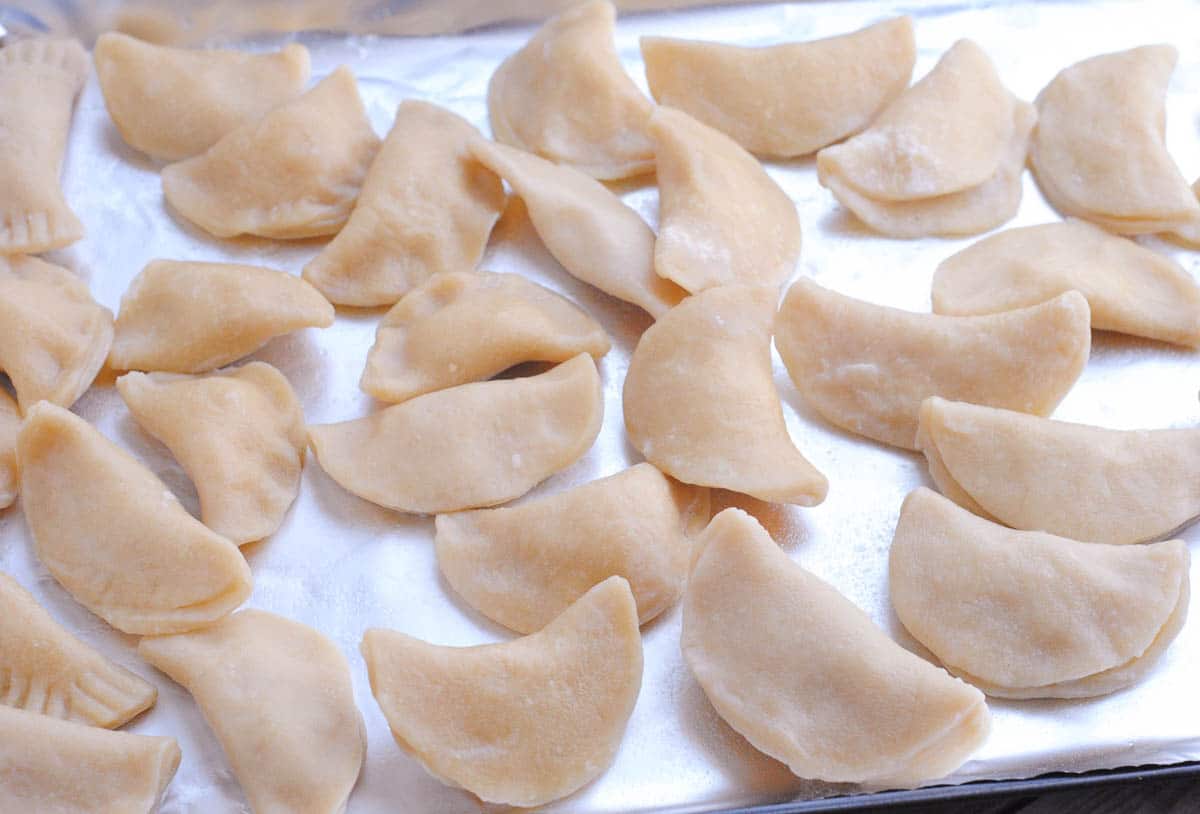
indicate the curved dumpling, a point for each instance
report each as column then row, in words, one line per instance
column 1129, row 288
column 521, row 722
column 39, row 79
column 426, row 207
column 588, row 230
column 1086, row 483
column 278, row 695
column 115, row 537
column 293, row 173
column 10, row 425
column 722, row 219
column 44, row 669
column 473, row 445
column 1023, row 614
column 867, row 368
column 187, row 317
column 807, row 678
column 53, row 335
column 173, row 103
column 565, row 96
column 790, row 99
column 240, row 436
column 523, row 565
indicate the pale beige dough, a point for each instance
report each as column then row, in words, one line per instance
column 462, row 327
column 240, row 436
column 293, row 173
column 115, row 537
column 522, row 722
column 721, row 218
column 279, row 698
column 426, row 207
column 187, row 317
column 172, row 103
column 1189, row 232
column 807, row 678
column 867, row 368
column 10, row 424
column 1024, row 614
column 790, row 99
column 700, row 400
column 469, row 446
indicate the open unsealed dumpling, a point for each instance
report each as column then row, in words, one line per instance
column 700, row 399
column 461, row 327
column 10, row 425
column 785, row 100
column 1024, row 614
column 173, row 103
column 278, row 695
column 115, row 537
column 523, row 722
column 565, row 96
column 807, row 678
column 867, row 368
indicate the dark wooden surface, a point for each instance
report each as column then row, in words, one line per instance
column 1179, row 796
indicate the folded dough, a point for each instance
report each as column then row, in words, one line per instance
column 278, row 695
column 523, row 722
column 461, row 327
column 867, row 368
column 565, row 96
column 293, row 173
column 10, row 424
column 1023, row 614
column 807, row 678
column 39, row 79
column 187, row 317
column 172, row 103
column 115, row 537
column 426, row 207
column 700, row 399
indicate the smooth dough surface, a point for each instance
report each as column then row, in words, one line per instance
column 867, row 368
column 807, row 678
column 522, row 722
column 10, row 425
column 426, row 207
column 462, row 327
column 278, row 696
column 293, row 173
column 700, row 399
column 115, row 537
column 1024, row 614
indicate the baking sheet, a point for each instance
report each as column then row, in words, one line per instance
column 342, row 565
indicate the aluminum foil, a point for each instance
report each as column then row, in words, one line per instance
column 342, row 565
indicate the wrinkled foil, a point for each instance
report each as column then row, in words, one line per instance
column 342, row 565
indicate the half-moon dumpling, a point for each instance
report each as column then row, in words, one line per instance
column 115, row 537
column 807, row 678
column 10, row 425
column 462, row 327
column 785, row 100
column 239, row 435
column 44, row 669
column 278, row 695
column 53, row 335
column 39, row 79
column 722, row 219
column 293, row 173
column 61, row 767
column 173, row 103
column 867, row 368
column 469, row 446
column 1076, row 481
column 1024, row 614
column 426, row 207
column 585, row 227
column 565, row 96
column 700, row 399
column 523, row 565
column 522, row 722
column 187, row 317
